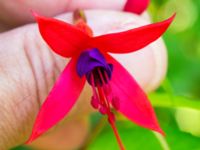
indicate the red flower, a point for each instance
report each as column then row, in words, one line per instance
column 112, row 85
column 136, row 6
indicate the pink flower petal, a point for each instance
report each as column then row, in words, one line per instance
column 65, row 39
column 59, row 101
column 134, row 103
column 136, row 6
column 131, row 40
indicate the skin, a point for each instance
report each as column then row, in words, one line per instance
column 19, row 10
column 28, row 69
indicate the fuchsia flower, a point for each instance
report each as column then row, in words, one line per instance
column 136, row 6
column 113, row 87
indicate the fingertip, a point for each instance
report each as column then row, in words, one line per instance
column 97, row 4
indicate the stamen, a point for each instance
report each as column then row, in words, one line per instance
column 93, row 85
column 101, row 76
column 107, row 89
column 106, row 76
column 95, row 99
column 101, row 96
column 106, row 86
column 103, row 110
column 111, row 116
column 115, row 99
column 94, row 102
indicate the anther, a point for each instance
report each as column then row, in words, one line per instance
column 103, row 110
column 95, row 102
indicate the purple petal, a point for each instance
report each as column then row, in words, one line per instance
column 91, row 59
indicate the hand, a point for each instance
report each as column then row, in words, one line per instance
column 16, row 13
column 28, row 69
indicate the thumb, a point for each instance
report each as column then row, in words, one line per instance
column 19, row 10
column 29, row 69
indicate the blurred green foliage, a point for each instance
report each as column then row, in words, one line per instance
column 179, row 90
column 183, row 43
column 136, row 138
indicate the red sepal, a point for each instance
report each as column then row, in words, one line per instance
column 65, row 39
column 59, row 101
column 131, row 40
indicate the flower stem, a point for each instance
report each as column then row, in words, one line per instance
column 79, row 15
column 80, row 22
